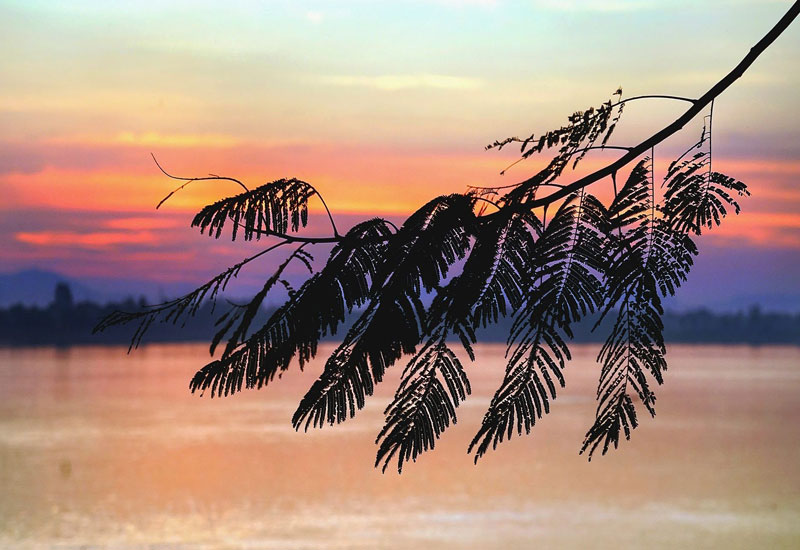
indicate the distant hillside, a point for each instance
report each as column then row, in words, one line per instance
column 34, row 287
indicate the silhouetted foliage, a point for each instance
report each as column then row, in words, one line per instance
column 65, row 323
column 463, row 261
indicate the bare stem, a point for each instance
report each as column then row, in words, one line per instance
column 190, row 180
column 655, row 96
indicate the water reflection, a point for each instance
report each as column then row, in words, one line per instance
column 100, row 448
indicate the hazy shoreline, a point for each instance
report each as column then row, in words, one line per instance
column 24, row 326
column 65, row 322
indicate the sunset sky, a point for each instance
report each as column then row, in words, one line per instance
column 380, row 105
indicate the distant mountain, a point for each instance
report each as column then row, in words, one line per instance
column 727, row 302
column 34, row 287
column 727, row 279
column 153, row 291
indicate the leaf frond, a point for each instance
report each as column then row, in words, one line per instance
column 418, row 257
column 433, row 385
column 563, row 289
column 273, row 208
column 179, row 309
column 312, row 311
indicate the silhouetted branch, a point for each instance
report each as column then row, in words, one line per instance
column 618, row 261
column 697, row 106
column 214, row 177
column 190, row 180
column 654, row 96
column 174, row 310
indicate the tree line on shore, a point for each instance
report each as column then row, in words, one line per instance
column 65, row 322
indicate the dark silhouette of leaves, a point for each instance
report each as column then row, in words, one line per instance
column 244, row 314
column 179, row 309
column 646, row 259
column 475, row 258
column 433, row 385
column 275, row 207
column 314, row 310
column 697, row 197
column 417, row 258
column 573, row 140
column 492, row 279
column 563, row 288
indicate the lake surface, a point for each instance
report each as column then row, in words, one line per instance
column 99, row 449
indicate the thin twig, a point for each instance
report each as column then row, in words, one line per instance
column 190, row 180
column 330, row 216
column 655, row 96
column 493, row 188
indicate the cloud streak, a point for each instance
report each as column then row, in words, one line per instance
column 393, row 83
column 98, row 239
column 601, row 6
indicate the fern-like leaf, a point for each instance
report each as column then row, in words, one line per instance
column 179, row 309
column 418, row 257
column 314, row 310
column 494, row 278
column 563, row 290
column 527, row 388
column 646, row 260
column 433, row 385
column 240, row 317
column 273, row 208
column 634, row 348
column 573, row 141
column 697, row 198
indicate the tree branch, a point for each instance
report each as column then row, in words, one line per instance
column 190, row 180
column 697, row 106
column 655, row 96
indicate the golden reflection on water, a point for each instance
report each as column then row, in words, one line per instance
column 100, row 449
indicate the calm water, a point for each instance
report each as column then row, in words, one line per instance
column 103, row 450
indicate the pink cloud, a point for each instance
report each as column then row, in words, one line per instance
column 85, row 240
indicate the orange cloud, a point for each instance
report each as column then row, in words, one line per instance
column 759, row 167
column 141, row 223
column 350, row 178
column 85, row 240
column 762, row 229
column 148, row 139
column 120, row 177
column 155, row 139
column 772, row 219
